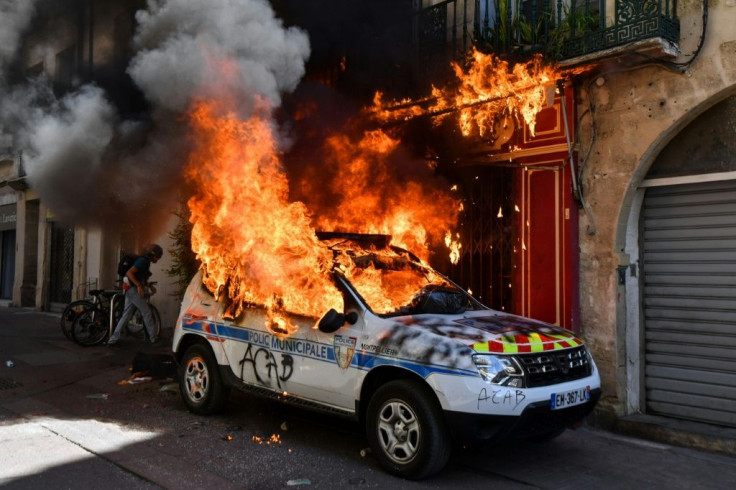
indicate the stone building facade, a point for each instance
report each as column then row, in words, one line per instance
column 657, row 314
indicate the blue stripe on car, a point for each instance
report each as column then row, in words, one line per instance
column 362, row 360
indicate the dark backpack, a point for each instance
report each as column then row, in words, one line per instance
column 126, row 262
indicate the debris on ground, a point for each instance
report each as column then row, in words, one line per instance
column 284, row 426
column 9, row 363
column 274, row 439
column 365, row 452
column 136, row 378
column 160, row 366
column 98, row 396
column 170, row 387
column 298, row 482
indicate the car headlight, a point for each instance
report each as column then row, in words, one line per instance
column 499, row 370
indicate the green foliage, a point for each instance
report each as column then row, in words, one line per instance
column 570, row 26
column 184, row 263
column 518, row 34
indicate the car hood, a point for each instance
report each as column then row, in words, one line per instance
column 493, row 331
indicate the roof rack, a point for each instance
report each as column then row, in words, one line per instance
column 380, row 241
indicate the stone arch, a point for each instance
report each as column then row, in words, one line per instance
column 629, row 329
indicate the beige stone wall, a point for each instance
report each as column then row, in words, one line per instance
column 626, row 116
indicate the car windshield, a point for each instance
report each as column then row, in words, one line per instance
column 394, row 282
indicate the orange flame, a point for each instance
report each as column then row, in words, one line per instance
column 368, row 196
column 486, row 90
column 259, row 248
column 255, row 246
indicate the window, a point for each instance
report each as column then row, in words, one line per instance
column 65, row 69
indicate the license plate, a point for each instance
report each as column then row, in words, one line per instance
column 570, row 398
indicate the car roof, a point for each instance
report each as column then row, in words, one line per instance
column 366, row 241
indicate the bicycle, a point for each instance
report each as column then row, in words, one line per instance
column 93, row 320
column 72, row 311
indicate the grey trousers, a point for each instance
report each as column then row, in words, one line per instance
column 132, row 302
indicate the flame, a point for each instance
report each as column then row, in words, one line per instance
column 255, row 246
column 486, row 90
column 259, row 248
column 359, row 174
column 454, row 246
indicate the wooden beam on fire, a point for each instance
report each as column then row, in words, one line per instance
column 449, row 110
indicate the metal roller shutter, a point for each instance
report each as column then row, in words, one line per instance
column 689, row 296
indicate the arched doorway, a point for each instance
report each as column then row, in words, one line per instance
column 685, row 319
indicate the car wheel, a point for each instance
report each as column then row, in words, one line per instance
column 200, row 383
column 406, row 429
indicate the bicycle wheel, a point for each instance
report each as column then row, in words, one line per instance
column 137, row 329
column 91, row 327
column 71, row 312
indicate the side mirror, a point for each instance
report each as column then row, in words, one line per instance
column 333, row 320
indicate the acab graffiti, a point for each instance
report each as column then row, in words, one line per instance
column 501, row 397
column 266, row 367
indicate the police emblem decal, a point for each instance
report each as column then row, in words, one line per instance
column 344, row 350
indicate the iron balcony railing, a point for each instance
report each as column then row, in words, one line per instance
column 565, row 29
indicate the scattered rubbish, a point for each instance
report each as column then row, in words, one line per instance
column 356, row 481
column 171, row 387
column 284, row 427
column 298, row 482
column 98, row 396
column 9, row 363
column 365, row 452
column 227, row 438
column 161, row 366
column 274, row 439
column 136, row 378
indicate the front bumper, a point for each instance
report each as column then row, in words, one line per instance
column 537, row 419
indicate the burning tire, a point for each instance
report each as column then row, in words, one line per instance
column 200, row 383
column 406, row 430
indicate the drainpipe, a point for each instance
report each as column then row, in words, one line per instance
column 575, row 188
column 577, row 193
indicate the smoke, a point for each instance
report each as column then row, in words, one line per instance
column 72, row 135
column 227, row 48
column 14, row 17
column 93, row 167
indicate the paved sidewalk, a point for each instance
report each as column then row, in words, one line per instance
column 41, row 444
column 65, row 422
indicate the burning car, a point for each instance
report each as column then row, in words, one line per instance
column 423, row 369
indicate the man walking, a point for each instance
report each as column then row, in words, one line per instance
column 134, row 284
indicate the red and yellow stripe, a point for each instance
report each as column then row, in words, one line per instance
column 534, row 342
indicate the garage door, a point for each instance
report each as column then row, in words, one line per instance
column 688, row 244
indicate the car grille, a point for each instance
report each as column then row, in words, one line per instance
column 548, row 368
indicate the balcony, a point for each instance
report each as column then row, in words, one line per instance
column 570, row 31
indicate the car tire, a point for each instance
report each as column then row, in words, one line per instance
column 200, row 384
column 406, row 430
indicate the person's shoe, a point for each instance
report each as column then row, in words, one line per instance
column 154, row 340
column 111, row 342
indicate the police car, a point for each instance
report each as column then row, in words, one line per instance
column 439, row 370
